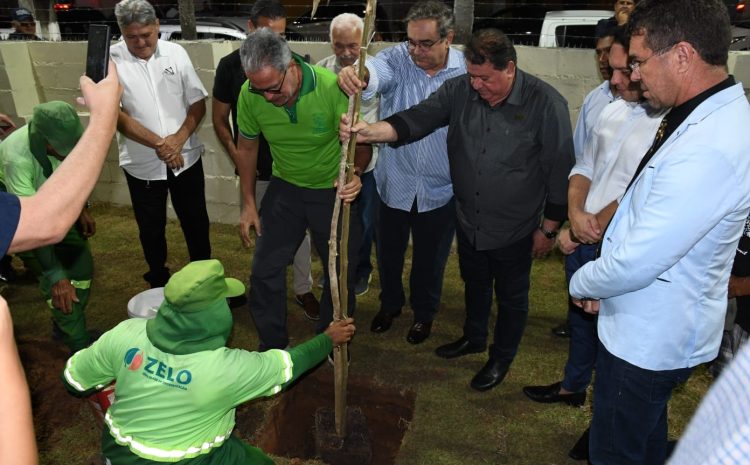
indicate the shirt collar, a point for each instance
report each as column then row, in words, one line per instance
column 515, row 98
column 309, row 81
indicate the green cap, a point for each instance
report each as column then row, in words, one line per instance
column 195, row 315
column 200, row 283
column 58, row 124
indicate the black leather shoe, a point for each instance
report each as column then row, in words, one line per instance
column 418, row 332
column 561, row 330
column 581, row 450
column 459, row 348
column 551, row 394
column 492, row 373
column 383, row 321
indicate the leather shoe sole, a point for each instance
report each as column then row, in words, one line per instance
column 418, row 332
column 491, row 374
column 551, row 394
column 383, row 321
column 459, row 348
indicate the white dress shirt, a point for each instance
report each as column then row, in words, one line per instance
column 620, row 137
column 157, row 93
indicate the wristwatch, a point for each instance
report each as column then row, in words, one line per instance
column 548, row 234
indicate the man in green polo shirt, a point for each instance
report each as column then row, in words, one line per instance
column 297, row 108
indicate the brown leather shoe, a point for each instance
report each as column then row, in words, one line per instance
column 309, row 305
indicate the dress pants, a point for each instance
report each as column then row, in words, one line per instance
column 508, row 269
column 149, row 199
column 583, row 338
column 302, row 267
column 629, row 426
column 432, row 234
column 367, row 206
column 288, row 211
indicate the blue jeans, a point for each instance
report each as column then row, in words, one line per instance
column 508, row 269
column 583, row 338
column 367, row 203
column 630, row 412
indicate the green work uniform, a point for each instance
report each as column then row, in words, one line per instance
column 23, row 175
column 177, row 385
column 304, row 139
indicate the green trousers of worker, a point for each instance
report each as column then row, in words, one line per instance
column 74, row 255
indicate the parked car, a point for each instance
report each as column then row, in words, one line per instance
column 307, row 28
column 571, row 28
column 206, row 29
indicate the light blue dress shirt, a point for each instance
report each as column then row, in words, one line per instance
column 591, row 108
column 419, row 169
column 667, row 253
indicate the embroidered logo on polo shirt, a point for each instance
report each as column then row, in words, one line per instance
column 319, row 123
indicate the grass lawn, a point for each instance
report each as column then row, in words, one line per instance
column 452, row 424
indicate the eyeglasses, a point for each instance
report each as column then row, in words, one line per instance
column 635, row 65
column 422, row 44
column 276, row 90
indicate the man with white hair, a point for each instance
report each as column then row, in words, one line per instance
column 346, row 40
column 162, row 103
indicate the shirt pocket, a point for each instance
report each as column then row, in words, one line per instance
column 173, row 83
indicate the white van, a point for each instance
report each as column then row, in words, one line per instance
column 571, row 28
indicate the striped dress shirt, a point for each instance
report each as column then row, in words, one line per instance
column 420, row 169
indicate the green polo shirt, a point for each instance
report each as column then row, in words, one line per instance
column 304, row 139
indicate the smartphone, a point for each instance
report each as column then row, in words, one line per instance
column 97, row 56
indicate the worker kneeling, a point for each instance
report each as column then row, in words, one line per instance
column 178, row 385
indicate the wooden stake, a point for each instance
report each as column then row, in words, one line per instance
column 338, row 283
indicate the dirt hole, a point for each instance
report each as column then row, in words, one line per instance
column 289, row 427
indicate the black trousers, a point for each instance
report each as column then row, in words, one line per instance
column 508, row 271
column 149, row 199
column 286, row 212
column 432, row 235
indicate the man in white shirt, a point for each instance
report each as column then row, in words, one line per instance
column 162, row 103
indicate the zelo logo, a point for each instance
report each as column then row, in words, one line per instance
column 167, row 373
column 134, row 359
column 156, row 370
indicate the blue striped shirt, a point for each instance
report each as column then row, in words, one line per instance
column 719, row 433
column 419, row 169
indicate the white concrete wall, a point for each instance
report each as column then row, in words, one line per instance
column 34, row 72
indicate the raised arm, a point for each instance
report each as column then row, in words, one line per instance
column 47, row 215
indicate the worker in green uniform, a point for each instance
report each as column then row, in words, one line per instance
column 27, row 158
column 177, row 385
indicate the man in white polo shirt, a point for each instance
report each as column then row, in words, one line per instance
column 162, row 103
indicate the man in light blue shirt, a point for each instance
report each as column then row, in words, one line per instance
column 413, row 180
column 666, row 255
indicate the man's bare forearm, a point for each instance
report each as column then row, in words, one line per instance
column 605, row 214
column 47, row 216
column 195, row 114
column 247, row 165
column 578, row 190
column 134, row 130
column 220, row 112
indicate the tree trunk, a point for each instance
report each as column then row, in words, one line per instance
column 187, row 19
column 464, row 13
